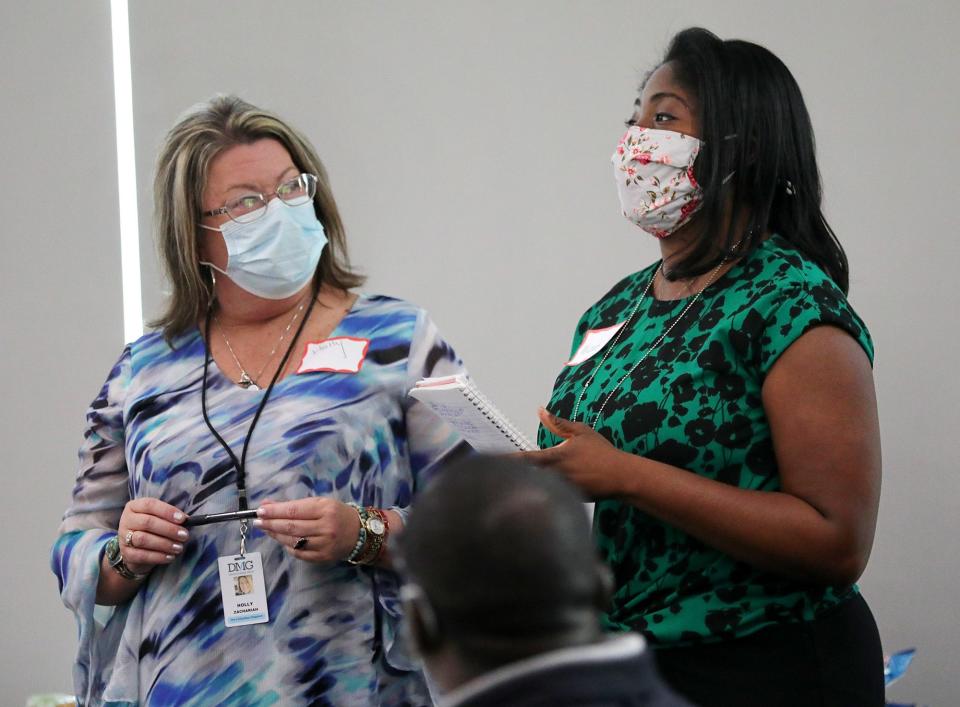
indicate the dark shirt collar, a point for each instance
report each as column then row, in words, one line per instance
column 621, row 647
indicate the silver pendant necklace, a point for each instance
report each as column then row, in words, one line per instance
column 247, row 382
column 612, row 345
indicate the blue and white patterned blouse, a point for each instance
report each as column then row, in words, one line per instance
column 332, row 637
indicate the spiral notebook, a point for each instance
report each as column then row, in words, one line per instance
column 457, row 401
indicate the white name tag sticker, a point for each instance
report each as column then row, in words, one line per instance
column 342, row 354
column 592, row 342
column 243, row 590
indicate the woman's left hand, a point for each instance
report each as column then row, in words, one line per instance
column 584, row 456
column 326, row 529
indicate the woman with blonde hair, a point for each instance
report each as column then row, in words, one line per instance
column 268, row 388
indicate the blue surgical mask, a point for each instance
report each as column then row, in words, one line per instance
column 276, row 255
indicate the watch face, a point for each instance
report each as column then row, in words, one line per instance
column 376, row 526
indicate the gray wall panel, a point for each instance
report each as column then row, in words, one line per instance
column 61, row 313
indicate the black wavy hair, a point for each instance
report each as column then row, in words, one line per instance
column 502, row 551
column 744, row 90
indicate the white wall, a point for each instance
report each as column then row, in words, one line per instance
column 468, row 146
column 60, row 311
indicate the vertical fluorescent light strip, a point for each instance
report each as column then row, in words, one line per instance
column 126, row 172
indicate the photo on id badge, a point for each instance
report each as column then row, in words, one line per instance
column 243, row 584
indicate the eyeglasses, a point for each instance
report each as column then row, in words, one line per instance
column 250, row 207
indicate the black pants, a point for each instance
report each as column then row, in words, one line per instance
column 833, row 661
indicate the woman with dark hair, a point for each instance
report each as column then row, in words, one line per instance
column 719, row 404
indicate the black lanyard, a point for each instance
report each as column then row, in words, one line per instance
column 240, row 464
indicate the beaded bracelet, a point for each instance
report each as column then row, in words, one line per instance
column 115, row 560
column 355, row 554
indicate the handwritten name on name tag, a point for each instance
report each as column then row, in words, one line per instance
column 592, row 342
column 341, row 354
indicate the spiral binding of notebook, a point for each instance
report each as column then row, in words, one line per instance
column 459, row 402
column 490, row 411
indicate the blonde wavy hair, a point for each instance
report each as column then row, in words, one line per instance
column 182, row 167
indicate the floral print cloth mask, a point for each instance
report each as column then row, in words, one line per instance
column 654, row 173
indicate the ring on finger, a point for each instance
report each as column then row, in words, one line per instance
column 128, row 539
column 300, row 544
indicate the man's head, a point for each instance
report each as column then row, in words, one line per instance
column 499, row 566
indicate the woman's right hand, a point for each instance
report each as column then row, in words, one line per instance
column 155, row 531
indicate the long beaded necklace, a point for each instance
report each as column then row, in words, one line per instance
column 655, row 344
column 246, row 381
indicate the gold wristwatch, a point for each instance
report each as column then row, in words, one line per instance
column 374, row 529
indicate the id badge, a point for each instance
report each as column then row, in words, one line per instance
column 243, row 590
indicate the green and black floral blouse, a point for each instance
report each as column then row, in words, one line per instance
column 695, row 403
